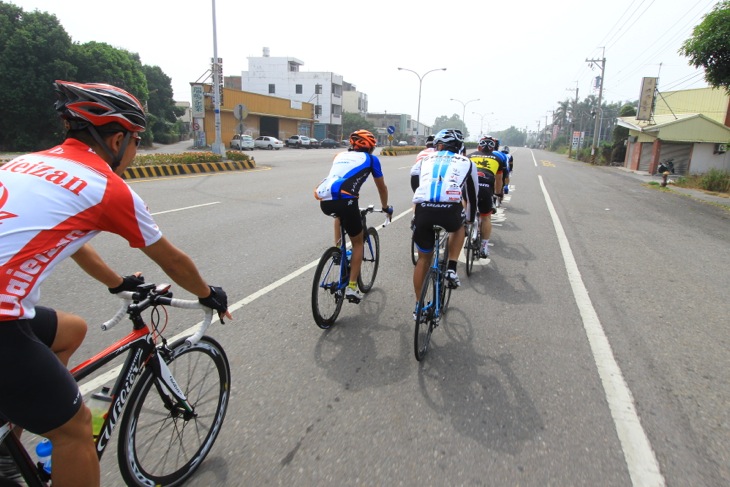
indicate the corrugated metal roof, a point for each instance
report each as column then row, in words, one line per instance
column 682, row 127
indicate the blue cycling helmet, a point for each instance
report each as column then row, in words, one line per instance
column 452, row 140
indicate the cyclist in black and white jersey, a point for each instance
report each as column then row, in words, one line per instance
column 437, row 180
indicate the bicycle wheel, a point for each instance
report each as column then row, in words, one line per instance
column 444, row 289
column 370, row 260
column 327, row 294
column 414, row 252
column 425, row 314
column 470, row 251
column 160, row 444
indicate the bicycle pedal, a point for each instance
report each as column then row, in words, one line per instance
column 353, row 299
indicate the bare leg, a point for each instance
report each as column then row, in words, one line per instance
column 419, row 272
column 456, row 242
column 69, row 336
column 357, row 251
column 74, row 455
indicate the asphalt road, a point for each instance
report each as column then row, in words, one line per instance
column 591, row 350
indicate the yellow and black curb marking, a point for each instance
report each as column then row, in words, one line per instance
column 182, row 169
column 399, row 152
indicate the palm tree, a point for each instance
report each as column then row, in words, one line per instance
column 561, row 115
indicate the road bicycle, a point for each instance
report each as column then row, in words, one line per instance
column 472, row 243
column 333, row 272
column 169, row 400
column 435, row 294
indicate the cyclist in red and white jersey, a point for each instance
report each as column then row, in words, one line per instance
column 51, row 204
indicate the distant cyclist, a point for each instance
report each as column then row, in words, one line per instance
column 509, row 167
column 53, row 203
column 490, row 166
column 338, row 195
column 438, row 180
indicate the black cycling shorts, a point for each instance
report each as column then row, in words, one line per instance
column 451, row 216
column 486, row 192
column 38, row 392
column 347, row 211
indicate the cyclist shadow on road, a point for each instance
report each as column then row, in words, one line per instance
column 349, row 352
column 480, row 394
column 489, row 281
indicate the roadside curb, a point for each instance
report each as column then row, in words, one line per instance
column 183, row 169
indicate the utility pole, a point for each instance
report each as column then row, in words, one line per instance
column 572, row 123
column 602, row 66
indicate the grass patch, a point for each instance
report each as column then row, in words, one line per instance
column 712, row 181
column 186, row 158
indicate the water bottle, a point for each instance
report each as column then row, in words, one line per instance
column 99, row 406
column 43, row 450
column 348, row 254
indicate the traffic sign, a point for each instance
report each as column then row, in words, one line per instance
column 390, row 138
column 240, row 112
column 391, row 129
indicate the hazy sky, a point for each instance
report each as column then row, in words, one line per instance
column 518, row 57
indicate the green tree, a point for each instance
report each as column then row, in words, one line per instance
column 709, row 46
column 354, row 121
column 34, row 51
column 98, row 62
column 162, row 112
column 452, row 122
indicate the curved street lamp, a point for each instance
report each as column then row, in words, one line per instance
column 463, row 104
column 420, row 82
column 481, row 124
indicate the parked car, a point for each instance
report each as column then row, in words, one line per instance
column 403, row 142
column 345, row 143
column 242, row 142
column 329, row 143
column 314, row 143
column 268, row 142
column 298, row 141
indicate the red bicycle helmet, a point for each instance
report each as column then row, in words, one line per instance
column 98, row 104
column 362, row 140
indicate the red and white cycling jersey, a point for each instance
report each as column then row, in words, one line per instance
column 51, row 203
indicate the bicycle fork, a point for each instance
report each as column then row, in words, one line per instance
column 167, row 386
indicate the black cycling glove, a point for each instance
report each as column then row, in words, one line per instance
column 129, row 283
column 388, row 210
column 218, row 300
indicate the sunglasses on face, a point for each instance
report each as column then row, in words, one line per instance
column 137, row 139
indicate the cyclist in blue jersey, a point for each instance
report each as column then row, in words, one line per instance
column 438, row 180
column 338, row 195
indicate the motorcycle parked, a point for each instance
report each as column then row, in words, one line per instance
column 665, row 168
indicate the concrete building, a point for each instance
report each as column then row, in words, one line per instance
column 282, row 77
column 405, row 127
column 353, row 101
column 260, row 115
column 691, row 127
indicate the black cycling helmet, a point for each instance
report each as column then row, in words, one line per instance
column 429, row 140
column 487, row 144
column 452, row 140
column 87, row 106
column 505, row 149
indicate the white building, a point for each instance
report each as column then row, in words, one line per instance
column 282, row 77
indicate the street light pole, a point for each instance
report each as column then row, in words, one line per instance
column 463, row 104
column 420, row 82
column 218, row 147
column 481, row 124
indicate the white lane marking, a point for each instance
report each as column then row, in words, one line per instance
column 98, row 381
column 638, row 453
column 186, row 208
column 534, row 161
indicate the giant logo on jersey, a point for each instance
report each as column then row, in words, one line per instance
column 4, row 195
